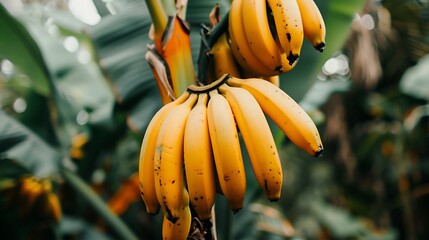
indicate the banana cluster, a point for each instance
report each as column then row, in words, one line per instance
column 192, row 145
column 266, row 36
column 35, row 198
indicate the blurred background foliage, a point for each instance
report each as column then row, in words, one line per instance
column 76, row 96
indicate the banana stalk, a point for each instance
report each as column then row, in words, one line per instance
column 208, row 39
column 159, row 20
column 169, row 7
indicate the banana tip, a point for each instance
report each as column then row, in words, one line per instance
column 320, row 47
column 319, row 153
column 292, row 58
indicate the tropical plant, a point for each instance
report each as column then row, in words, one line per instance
column 77, row 99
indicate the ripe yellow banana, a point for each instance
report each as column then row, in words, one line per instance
column 259, row 37
column 285, row 112
column 180, row 229
column 147, row 153
column 313, row 23
column 258, row 139
column 198, row 157
column 288, row 25
column 239, row 44
column 274, row 80
column 168, row 160
column 226, row 150
column 223, row 58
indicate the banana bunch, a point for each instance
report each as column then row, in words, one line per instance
column 192, row 145
column 266, row 36
column 34, row 197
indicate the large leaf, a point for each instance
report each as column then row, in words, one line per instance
column 20, row 143
column 81, row 86
column 17, row 45
column 120, row 44
column 78, row 90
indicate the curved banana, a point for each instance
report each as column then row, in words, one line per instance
column 288, row 25
column 275, row 80
column 313, row 23
column 285, row 112
column 147, row 153
column 168, row 160
column 239, row 44
column 226, row 150
column 259, row 37
column 198, row 157
column 223, row 58
column 180, row 229
column 258, row 139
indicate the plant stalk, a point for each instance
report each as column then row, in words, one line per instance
column 208, row 39
column 99, row 205
column 159, row 19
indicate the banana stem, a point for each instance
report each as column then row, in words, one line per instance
column 228, row 224
column 159, row 19
column 99, row 205
column 169, row 7
column 218, row 29
column 208, row 39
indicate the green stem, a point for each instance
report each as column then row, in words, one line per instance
column 228, row 224
column 169, row 7
column 208, row 39
column 218, row 30
column 99, row 205
column 158, row 15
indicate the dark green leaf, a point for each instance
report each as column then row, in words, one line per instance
column 31, row 151
column 10, row 169
column 78, row 89
column 17, row 45
column 120, row 42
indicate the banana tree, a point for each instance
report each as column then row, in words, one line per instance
column 89, row 117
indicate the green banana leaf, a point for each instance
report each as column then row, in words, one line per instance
column 10, row 170
column 17, row 45
column 119, row 42
column 75, row 88
column 26, row 148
